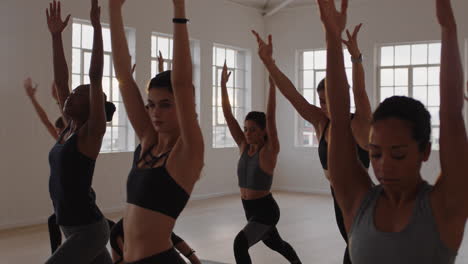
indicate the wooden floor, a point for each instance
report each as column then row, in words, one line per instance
column 307, row 223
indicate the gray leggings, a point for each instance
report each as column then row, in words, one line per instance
column 84, row 245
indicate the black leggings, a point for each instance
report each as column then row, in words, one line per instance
column 262, row 214
column 167, row 257
column 341, row 227
column 117, row 231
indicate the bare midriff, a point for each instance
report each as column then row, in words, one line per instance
column 147, row 233
column 248, row 194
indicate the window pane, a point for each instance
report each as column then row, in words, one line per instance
column 386, row 56
column 87, row 62
column 171, row 44
column 107, row 141
column 385, row 93
column 230, row 58
column 106, row 87
column 163, row 46
column 351, row 98
column 220, row 73
column 76, row 80
column 107, row 65
column 215, row 80
column 386, row 77
column 118, row 109
column 76, row 61
column 115, row 90
column 433, row 96
column 349, row 76
column 154, row 52
column 434, row 53
column 86, row 79
column 220, row 116
column 106, row 38
column 220, row 56
column 401, row 77
column 420, row 93
column 76, row 35
column 240, row 79
column 154, row 68
column 419, row 54
column 309, row 95
column 435, row 137
column 433, row 75
column 231, row 96
column 308, row 60
column 347, row 58
column 402, row 55
column 239, row 97
column 435, row 119
column 420, row 76
column 308, row 79
column 213, row 97
column 320, row 59
column 87, row 37
column 401, row 91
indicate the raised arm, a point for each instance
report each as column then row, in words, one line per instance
column 31, row 92
column 128, row 88
column 309, row 112
column 347, row 176
column 184, row 94
column 160, row 62
column 97, row 119
column 56, row 27
column 233, row 125
column 363, row 115
column 453, row 139
column 273, row 141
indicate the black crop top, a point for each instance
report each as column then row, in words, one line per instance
column 323, row 150
column 71, row 176
column 154, row 189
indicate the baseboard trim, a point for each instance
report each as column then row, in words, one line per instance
column 302, row 190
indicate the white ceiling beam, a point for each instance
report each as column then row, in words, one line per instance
column 277, row 8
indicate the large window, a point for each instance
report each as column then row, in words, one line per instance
column 119, row 135
column 412, row 70
column 312, row 69
column 237, row 87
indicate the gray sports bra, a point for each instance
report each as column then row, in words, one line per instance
column 418, row 242
column 251, row 176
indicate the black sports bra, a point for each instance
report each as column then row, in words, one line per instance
column 153, row 188
column 323, row 150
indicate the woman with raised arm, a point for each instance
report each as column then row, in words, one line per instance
column 259, row 147
column 158, row 187
column 54, row 130
column 319, row 117
column 404, row 219
column 117, row 232
column 73, row 158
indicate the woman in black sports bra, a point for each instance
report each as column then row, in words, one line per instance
column 72, row 159
column 318, row 117
column 259, row 147
column 158, row 187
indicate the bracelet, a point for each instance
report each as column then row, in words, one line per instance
column 357, row 60
column 180, row 20
column 190, row 253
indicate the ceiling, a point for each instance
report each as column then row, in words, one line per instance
column 266, row 5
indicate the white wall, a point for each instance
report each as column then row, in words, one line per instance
column 26, row 50
column 294, row 29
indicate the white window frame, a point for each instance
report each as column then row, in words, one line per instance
column 300, row 124
column 435, row 126
column 240, row 66
column 120, row 120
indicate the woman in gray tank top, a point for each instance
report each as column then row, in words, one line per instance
column 404, row 219
column 259, row 147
